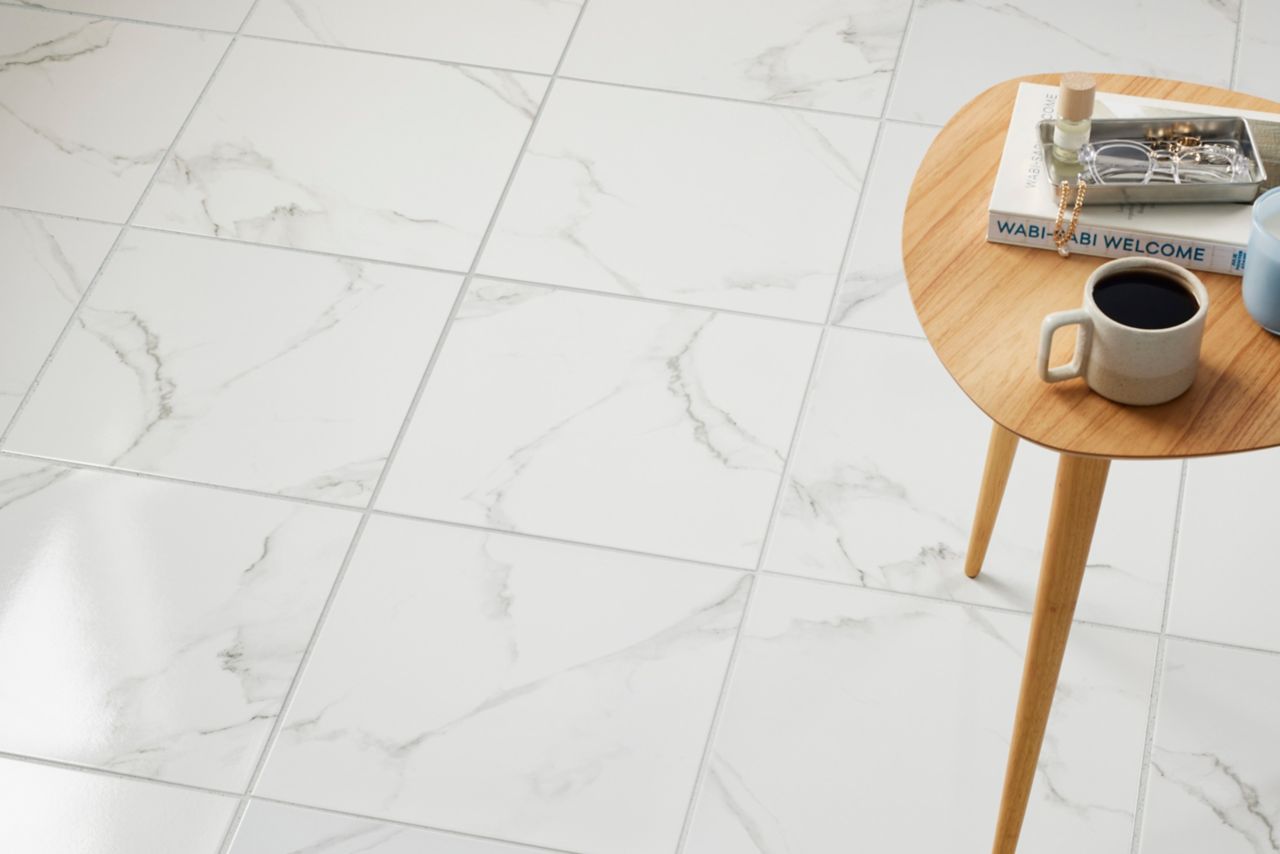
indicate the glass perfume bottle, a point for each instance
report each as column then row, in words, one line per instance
column 1075, row 114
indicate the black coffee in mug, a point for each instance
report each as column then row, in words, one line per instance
column 1145, row 299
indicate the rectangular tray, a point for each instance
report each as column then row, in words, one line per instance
column 1206, row 127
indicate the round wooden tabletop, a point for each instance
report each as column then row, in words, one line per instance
column 981, row 305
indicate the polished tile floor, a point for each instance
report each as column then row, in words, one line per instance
column 499, row 426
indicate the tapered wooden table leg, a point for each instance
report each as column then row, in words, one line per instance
column 1076, row 498
column 995, row 476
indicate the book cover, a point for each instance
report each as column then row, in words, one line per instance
column 1024, row 205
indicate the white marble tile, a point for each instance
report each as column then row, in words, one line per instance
column 511, row 687
column 873, row 290
column 274, row 828
column 45, row 265
column 181, row 615
column 372, row 156
column 679, row 198
column 885, row 479
column 50, row 810
column 240, row 365
column 957, row 48
column 219, row 15
column 830, row 54
column 89, row 107
column 606, row 420
column 1215, row 764
column 526, row 35
column 865, row 721
column 1258, row 65
column 1225, row 584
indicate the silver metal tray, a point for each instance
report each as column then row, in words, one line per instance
column 1223, row 128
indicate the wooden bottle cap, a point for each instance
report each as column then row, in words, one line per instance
column 1075, row 96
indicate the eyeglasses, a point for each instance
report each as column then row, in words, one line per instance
column 1180, row 160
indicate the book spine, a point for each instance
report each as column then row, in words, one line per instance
column 1113, row 243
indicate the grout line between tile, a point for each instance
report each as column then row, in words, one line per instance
column 392, row 55
column 546, row 538
column 458, row 63
column 115, row 244
column 897, row 64
column 363, row 259
column 33, row 211
column 100, row 16
column 110, row 772
column 1235, row 53
column 181, row 481
column 528, row 846
column 958, row 603
column 300, row 671
column 462, row 273
column 77, row 768
column 724, row 567
column 652, row 300
column 797, row 429
column 1157, row 677
column 687, row 93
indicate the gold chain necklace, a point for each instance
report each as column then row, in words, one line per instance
column 1061, row 237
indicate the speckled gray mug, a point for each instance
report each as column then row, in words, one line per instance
column 1123, row 363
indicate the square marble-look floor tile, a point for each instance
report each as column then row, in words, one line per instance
column 681, row 198
column 885, row 479
column 808, row 53
column 1214, row 783
column 45, row 265
column 274, row 828
column 852, row 714
column 510, row 687
column 873, row 290
column 182, row 613
column 221, row 15
column 239, row 365
column 358, row 154
column 50, row 810
column 944, row 63
column 1258, row 66
column 527, row 35
column 606, row 420
column 1226, row 584
column 88, row 108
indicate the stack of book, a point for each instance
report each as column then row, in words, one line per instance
column 1024, row 204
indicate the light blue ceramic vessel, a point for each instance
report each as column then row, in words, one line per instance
column 1262, row 265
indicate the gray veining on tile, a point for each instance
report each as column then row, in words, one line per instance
column 604, row 420
column 524, row 690
column 223, row 15
column 240, row 365
column 84, row 111
column 884, row 479
column 274, row 828
column 45, row 265
column 849, row 709
column 811, row 53
column 684, row 199
column 957, row 48
column 1214, row 782
column 186, row 613
column 1258, row 64
column 73, row 812
column 264, row 160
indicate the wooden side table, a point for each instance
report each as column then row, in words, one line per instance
column 981, row 305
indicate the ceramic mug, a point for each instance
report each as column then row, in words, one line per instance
column 1124, row 363
column 1261, row 288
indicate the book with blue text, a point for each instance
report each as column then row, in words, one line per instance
column 1024, row 205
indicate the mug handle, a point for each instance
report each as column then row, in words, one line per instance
column 1084, row 340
